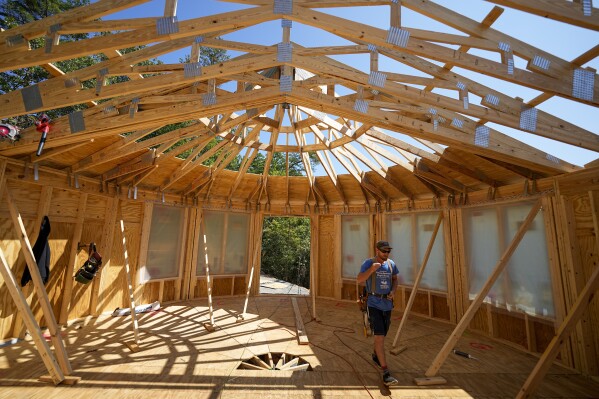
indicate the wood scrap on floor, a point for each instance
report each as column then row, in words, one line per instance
column 299, row 323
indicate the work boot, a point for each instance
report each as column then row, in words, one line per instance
column 388, row 379
column 375, row 359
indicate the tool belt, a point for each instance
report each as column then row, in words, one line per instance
column 87, row 272
column 382, row 296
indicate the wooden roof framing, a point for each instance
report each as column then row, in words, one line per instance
column 457, row 152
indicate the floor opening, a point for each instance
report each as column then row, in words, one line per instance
column 275, row 361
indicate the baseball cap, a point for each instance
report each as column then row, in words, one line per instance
column 383, row 245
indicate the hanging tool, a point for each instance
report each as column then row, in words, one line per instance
column 42, row 125
column 464, row 354
column 9, row 132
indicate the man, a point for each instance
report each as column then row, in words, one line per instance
column 380, row 274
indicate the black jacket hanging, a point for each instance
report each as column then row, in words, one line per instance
column 41, row 252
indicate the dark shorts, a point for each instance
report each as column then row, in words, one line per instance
column 379, row 320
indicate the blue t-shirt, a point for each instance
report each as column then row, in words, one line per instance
column 383, row 283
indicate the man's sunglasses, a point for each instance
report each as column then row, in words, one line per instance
column 385, row 252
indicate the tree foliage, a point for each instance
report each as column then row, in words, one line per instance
column 19, row 12
column 286, row 249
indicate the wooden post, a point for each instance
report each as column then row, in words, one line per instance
column 170, row 8
column 29, row 320
column 134, row 347
column 68, row 276
column 190, row 255
column 416, row 284
column 314, row 262
column 396, row 14
column 143, row 245
column 194, row 259
column 105, row 251
column 209, row 326
column 461, row 327
column 257, row 249
column 61, row 353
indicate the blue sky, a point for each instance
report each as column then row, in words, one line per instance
column 560, row 39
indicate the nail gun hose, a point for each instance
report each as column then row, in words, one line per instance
column 40, row 146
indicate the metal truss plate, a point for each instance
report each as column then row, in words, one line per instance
column 283, row 7
column 541, row 62
column 492, row 99
column 192, row 69
column 49, row 41
column 15, row 40
column 481, row 136
column 167, row 25
column 583, row 83
column 286, row 83
column 504, row 46
column 209, row 99
column 398, row 36
column 133, row 107
column 32, row 99
column 71, row 82
column 284, row 52
column 587, row 7
column 528, row 119
column 361, row 106
column 76, row 121
column 457, row 123
column 553, row 159
column 377, row 78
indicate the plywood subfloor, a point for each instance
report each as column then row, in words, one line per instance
column 180, row 359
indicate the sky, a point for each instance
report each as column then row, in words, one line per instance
column 562, row 40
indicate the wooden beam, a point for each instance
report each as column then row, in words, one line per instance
column 559, row 10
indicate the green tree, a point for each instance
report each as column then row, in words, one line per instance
column 286, row 249
column 19, row 12
column 278, row 164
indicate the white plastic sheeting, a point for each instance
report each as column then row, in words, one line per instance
column 409, row 236
column 226, row 236
column 355, row 247
column 164, row 246
column 525, row 285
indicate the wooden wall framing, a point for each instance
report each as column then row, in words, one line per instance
column 569, row 208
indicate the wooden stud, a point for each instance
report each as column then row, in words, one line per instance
column 204, row 246
column 68, row 276
column 314, row 221
column 112, row 208
column 133, row 346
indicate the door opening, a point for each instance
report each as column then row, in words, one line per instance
column 285, row 266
